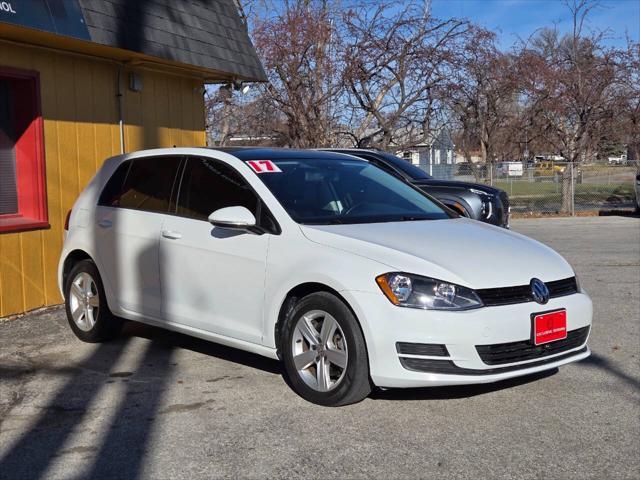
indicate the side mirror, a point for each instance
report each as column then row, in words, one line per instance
column 233, row 218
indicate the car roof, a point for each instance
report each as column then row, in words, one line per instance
column 356, row 151
column 350, row 149
column 274, row 153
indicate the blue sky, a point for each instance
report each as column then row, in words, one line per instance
column 513, row 18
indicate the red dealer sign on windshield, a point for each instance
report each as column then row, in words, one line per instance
column 263, row 166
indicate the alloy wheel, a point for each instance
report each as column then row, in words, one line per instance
column 319, row 350
column 84, row 301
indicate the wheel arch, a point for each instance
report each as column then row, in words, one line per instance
column 70, row 260
column 301, row 291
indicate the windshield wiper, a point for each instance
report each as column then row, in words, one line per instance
column 408, row 218
column 333, row 221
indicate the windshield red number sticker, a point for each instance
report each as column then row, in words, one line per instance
column 263, row 166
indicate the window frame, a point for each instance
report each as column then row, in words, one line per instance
column 261, row 206
column 31, row 182
column 371, row 161
column 177, row 187
column 129, row 162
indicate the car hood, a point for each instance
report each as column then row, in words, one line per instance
column 456, row 184
column 461, row 251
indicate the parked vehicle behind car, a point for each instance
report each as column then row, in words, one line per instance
column 350, row 276
column 472, row 200
column 617, row 160
column 549, row 169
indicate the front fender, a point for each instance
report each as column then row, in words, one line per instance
column 289, row 266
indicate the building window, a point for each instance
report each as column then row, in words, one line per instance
column 23, row 199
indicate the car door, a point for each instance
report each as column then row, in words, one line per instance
column 129, row 215
column 213, row 278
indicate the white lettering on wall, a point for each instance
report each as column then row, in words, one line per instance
column 6, row 7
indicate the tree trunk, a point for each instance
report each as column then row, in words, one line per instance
column 567, row 189
column 225, row 124
column 484, row 152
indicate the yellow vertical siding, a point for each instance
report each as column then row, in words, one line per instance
column 80, row 112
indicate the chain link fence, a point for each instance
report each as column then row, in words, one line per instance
column 553, row 187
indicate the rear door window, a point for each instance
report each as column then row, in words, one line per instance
column 143, row 184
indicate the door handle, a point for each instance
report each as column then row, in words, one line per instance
column 105, row 223
column 171, row 234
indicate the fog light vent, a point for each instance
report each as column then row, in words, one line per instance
column 427, row 349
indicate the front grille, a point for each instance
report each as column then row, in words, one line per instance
column 522, row 293
column 427, row 349
column 448, row 367
column 560, row 288
column 502, row 353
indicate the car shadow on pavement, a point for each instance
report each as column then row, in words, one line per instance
column 205, row 347
column 602, row 363
column 120, row 451
column 123, row 448
column 619, row 213
column 457, row 391
column 37, row 448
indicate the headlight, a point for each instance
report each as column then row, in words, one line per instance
column 414, row 291
column 487, row 202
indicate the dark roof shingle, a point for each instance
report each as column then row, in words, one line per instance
column 206, row 33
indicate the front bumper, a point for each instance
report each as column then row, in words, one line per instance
column 385, row 325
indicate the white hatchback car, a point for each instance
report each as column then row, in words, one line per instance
column 350, row 276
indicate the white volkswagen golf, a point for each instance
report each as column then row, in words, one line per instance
column 350, row 276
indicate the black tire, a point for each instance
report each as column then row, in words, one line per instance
column 355, row 384
column 106, row 326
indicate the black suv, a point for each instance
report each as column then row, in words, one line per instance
column 473, row 200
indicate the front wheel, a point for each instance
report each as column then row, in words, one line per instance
column 324, row 352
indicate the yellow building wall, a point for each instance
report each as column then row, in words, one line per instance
column 80, row 112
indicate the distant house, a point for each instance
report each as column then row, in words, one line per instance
column 435, row 156
column 475, row 156
column 82, row 80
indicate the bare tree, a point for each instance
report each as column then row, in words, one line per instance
column 231, row 115
column 390, row 75
column 298, row 49
column 396, row 55
column 482, row 92
column 628, row 105
column 571, row 88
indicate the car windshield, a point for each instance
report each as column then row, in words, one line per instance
column 406, row 167
column 329, row 191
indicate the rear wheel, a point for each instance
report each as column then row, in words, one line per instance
column 86, row 305
column 324, row 352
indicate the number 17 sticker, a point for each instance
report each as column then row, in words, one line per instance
column 263, row 166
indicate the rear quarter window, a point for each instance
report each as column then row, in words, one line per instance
column 113, row 189
column 142, row 184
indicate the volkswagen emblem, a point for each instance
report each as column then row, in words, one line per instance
column 539, row 291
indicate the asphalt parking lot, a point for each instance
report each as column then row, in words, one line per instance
column 160, row 405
